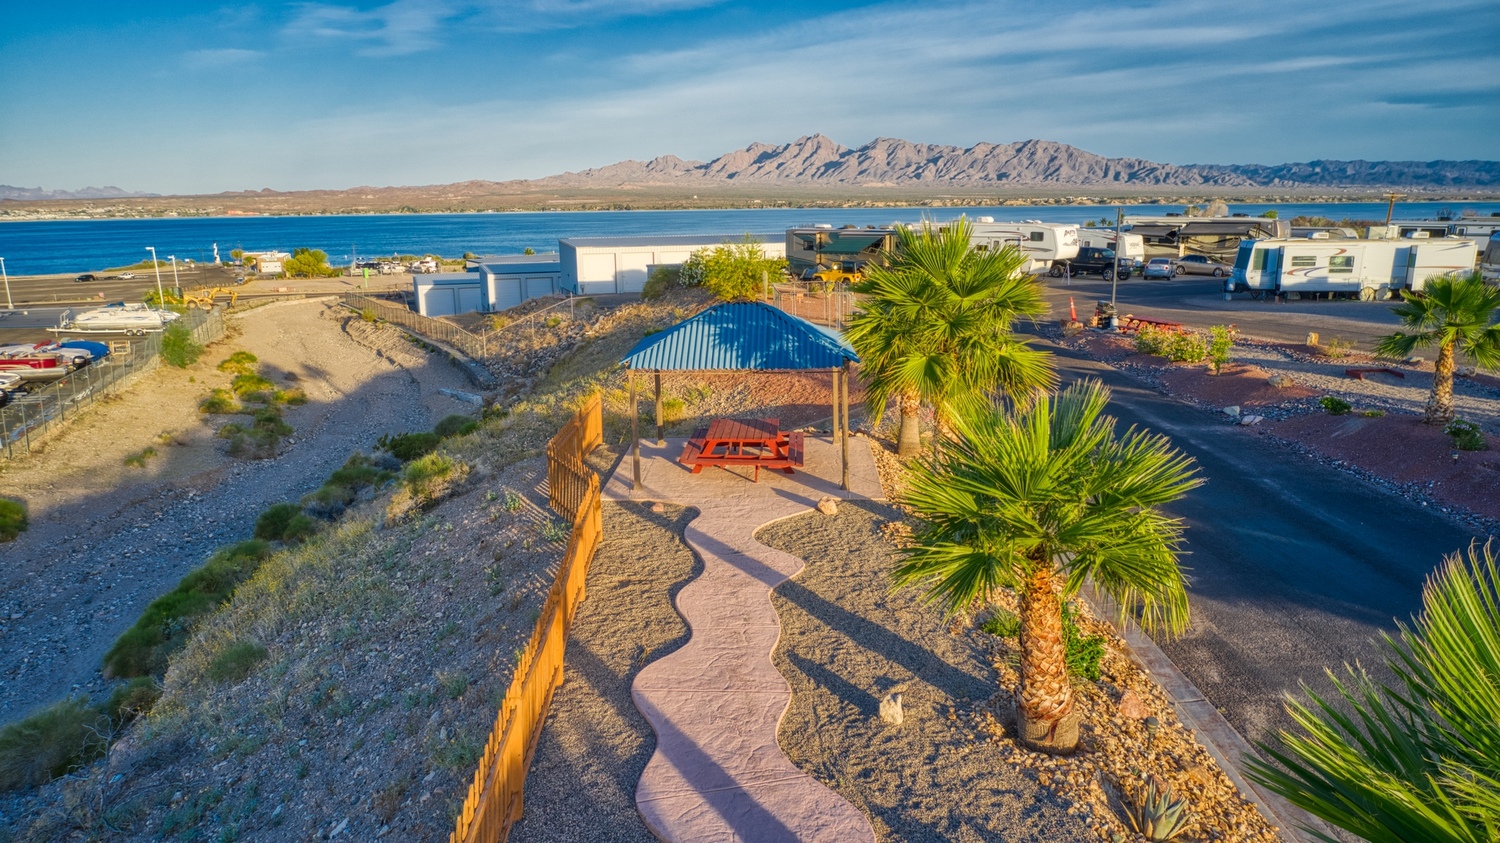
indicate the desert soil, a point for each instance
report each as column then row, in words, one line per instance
column 106, row 539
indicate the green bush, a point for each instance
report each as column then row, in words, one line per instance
column 165, row 625
column 1002, row 624
column 734, row 271
column 240, row 363
column 249, row 383
column 301, row 528
column 177, row 346
column 12, row 519
column 269, row 419
column 294, row 397
column 271, row 525
column 132, row 699
column 662, row 279
column 1335, row 406
column 236, row 661
column 408, row 446
column 1219, row 345
column 1177, row 346
column 138, row 460
column 457, row 424
column 51, row 743
column 1466, row 435
column 220, row 402
column 425, row 481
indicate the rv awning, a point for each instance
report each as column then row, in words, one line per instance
column 850, row 245
column 1197, row 229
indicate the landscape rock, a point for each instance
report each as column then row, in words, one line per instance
column 1132, row 707
column 1232, row 411
column 890, row 710
column 1466, row 371
column 1416, row 360
column 828, row 505
column 1280, row 381
column 1249, row 420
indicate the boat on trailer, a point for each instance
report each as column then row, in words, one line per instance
column 131, row 319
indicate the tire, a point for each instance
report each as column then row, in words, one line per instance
column 1218, row 273
column 1107, row 274
column 1056, row 271
column 1125, row 276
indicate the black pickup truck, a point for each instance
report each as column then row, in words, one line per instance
column 1091, row 260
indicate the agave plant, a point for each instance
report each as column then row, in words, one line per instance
column 1160, row 814
column 1420, row 760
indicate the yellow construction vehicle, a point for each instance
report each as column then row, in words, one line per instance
column 204, row 297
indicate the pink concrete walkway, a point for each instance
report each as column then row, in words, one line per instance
column 718, row 773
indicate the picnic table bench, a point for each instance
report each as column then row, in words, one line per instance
column 758, row 443
column 1130, row 323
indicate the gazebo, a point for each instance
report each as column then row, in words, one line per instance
column 747, row 336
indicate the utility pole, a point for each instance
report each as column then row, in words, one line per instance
column 1114, row 280
column 8, row 303
column 161, row 298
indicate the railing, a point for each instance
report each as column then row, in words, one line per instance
column 494, row 800
column 470, row 343
column 29, row 418
column 567, row 476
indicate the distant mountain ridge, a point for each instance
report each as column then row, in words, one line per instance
column 892, row 162
column 23, row 194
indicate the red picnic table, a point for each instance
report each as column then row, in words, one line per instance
column 749, row 442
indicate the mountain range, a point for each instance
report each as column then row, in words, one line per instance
column 25, row 194
column 891, row 162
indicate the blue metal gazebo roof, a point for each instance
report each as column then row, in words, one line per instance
column 742, row 336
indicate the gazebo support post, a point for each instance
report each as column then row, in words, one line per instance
column 635, row 432
column 661, row 431
column 844, row 399
column 834, row 390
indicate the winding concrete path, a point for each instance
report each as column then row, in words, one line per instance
column 718, row 773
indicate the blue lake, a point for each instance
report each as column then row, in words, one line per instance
column 33, row 248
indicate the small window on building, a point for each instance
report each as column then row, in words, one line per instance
column 1304, row 261
column 1036, row 237
column 1341, row 263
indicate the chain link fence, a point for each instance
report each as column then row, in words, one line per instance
column 28, row 419
column 824, row 304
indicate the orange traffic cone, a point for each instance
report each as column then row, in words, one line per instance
column 1072, row 311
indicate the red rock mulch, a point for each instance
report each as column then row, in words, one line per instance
column 1404, row 450
column 1238, row 384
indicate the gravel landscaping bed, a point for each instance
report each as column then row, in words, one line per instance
column 582, row 781
column 847, row 641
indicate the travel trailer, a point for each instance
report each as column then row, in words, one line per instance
column 1134, row 249
column 1041, row 242
column 1477, row 229
column 822, row 247
column 1363, row 269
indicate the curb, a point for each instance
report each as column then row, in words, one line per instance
column 1209, row 727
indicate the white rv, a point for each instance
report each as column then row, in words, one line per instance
column 1477, row 229
column 1042, row 242
column 1134, row 249
column 1489, row 262
column 1366, row 269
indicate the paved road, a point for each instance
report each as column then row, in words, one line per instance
column 1294, row 566
column 1199, row 303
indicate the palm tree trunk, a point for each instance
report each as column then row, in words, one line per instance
column 1046, row 717
column 909, row 435
column 1440, row 401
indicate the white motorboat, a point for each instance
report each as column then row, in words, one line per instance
column 132, row 319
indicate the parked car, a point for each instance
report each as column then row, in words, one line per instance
column 127, row 275
column 87, row 276
column 1202, row 265
column 1159, row 268
column 1092, row 261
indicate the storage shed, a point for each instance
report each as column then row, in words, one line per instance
column 511, row 279
column 448, row 293
column 598, row 265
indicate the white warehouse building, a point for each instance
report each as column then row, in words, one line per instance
column 601, row 265
column 496, row 283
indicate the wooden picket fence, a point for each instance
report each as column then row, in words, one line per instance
column 494, row 801
column 567, row 476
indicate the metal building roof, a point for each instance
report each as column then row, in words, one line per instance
column 775, row 238
column 742, row 336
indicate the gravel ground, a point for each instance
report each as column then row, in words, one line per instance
column 106, row 540
column 847, row 641
column 582, row 781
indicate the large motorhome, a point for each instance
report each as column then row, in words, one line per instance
column 1364, row 269
column 822, row 247
column 1041, row 242
column 1134, row 249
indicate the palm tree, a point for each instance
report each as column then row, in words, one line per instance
column 935, row 327
column 1456, row 314
column 1040, row 499
column 1419, row 760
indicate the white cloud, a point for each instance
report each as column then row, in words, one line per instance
column 399, row 28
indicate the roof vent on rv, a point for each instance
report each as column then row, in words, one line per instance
column 984, row 219
column 1421, row 235
column 823, row 225
column 1317, row 235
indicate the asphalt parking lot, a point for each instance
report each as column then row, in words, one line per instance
column 1198, row 302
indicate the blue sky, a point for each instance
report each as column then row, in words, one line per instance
column 189, row 97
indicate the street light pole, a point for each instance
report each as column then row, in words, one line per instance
column 8, row 303
column 175, row 282
column 1114, row 280
column 161, row 298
